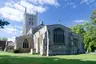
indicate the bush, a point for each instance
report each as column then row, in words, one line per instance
column 16, row 51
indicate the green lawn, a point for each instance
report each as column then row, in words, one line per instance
column 11, row 58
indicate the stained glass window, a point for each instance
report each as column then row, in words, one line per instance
column 58, row 36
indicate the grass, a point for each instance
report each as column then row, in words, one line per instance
column 25, row 58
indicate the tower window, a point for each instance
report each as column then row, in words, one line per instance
column 30, row 21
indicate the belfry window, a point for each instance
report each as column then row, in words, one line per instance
column 30, row 21
column 25, row 44
column 58, row 36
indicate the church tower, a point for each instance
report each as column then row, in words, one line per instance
column 30, row 21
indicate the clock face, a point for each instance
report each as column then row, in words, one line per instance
column 30, row 21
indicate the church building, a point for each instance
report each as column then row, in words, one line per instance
column 47, row 40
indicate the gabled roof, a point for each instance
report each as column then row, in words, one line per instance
column 37, row 28
column 50, row 26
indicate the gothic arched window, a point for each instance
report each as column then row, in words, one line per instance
column 25, row 44
column 58, row 35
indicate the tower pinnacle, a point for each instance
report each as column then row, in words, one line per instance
column 58, row 21
column 37, row 12
column 25, row 9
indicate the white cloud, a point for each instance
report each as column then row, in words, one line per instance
column 84, row 1
column 87, row 1
column 9, row 30
column 14, row 10
column 11, row 13
column 19, row 27
column 42, row 2
column 12, row 30
column 72, row 4
column 32, row 8
column 12, row 39
column 79, row 21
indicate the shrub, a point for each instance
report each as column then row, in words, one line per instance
column 16, row 51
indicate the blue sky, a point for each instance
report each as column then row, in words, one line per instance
column 69, row 12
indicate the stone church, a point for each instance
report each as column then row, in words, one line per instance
column 42, row 39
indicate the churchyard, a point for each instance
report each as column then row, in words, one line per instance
column 26, row 58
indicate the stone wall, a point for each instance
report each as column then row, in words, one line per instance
column 20, row 40
column 40, row 40
column 58, row 48
column 69, row 46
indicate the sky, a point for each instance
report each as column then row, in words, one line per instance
column 69, row 12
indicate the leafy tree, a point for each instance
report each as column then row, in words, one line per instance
column 3, row 38
column 78, row 29
column 88, row 31
column 3, row 23
column 93, row 15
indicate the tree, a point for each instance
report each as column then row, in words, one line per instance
column 93, row 14
column 3, row 23
column 3, row 38
column 78, row 29
column 88, row 31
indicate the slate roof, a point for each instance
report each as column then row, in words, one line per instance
column 50, row 26
column 37, row 28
